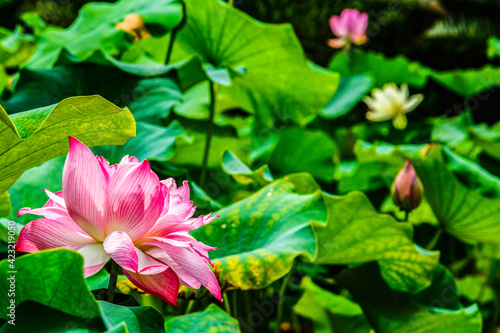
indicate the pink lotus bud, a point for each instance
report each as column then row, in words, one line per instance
column 407, row 190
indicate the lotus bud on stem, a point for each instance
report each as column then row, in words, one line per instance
column 407, row 190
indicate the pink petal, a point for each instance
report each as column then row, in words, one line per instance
column 190, row 261
column 362, row 23
column 169, row 224
column 56, row 199
column 94, row 258
column 45, row 234
column 170, row 184
column 184, row 277
column 358, row 39
column 106, row 168
column 85, row 189
column 136, row 199
column 165, row 285
column 338, row 26
column 337, row 43
column 119, row 246
column 199, row 247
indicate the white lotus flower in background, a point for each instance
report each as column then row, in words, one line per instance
column 391, row 102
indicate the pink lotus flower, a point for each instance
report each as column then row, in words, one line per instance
column 124, row 212
column 350, row 27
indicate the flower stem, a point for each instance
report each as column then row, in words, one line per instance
column 210, row 131
column 189, row 307
column 435, row 239
column 226, row 303
column 113, row 277
column 281, row 302
column 487, row 273
column 230, row 2
column 174, row 33
column 407, row 214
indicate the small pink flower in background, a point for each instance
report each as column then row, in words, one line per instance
column 350, row 27
column 124, row 212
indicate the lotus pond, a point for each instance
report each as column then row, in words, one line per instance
column 250, row 166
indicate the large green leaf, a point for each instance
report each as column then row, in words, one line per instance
column 95, row 29
column 262, row 235
column 388, row 313
column 154, row 98
column 461, row 211
column 384, row 70
column 35, row 317
column 472, row 175
column 468, row 82
column 39, row 88
column 356, row 233
column 139, row 319
column 493, row 50
column 487, row 138
column 330, row 312
column 33, row 137
column 232, row 165
column 350, row 91
column 5, row 205
column 276, row 75
column 151, row 142
column 376, row 166
column 53, row 278
column 190, row 153
column 301, row 150
column 212, row 320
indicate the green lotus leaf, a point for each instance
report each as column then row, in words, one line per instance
column 99, row 280
column 140, row 319
column 302, row 150
column 330, row 312
column 461, row 211
column 35, row 317
column 384, row 70
column 262, row 235
column 493, row 49
column 468, row 82
column 350, row 91
column 470, row 287
column 422, row 214
column 5, row 205
column 487, row 138
column 388, row 313
column 15, row 47
column 53, row 278
column 211, row 320
column 6, row 229
column 151, row 142
column 443, row 284
column 232, row 165
column 94, row 29
column 190, row 153
column 276, row 75
column 356, row 233
column 154, row 98
column 27, row 190
column 472, row 175
column 39, row 88
column 452, row 131
column 33, row 137
column 376, row 166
